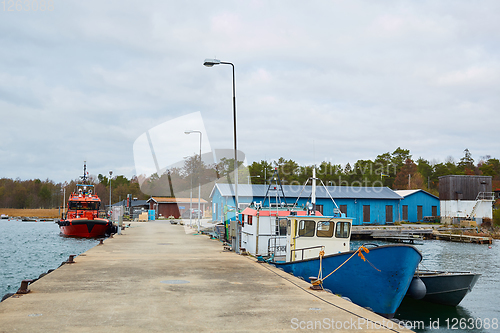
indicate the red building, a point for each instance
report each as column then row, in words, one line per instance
column 167, row 206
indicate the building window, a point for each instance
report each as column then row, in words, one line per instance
column 366, row 213
column 325, row 229
column 306, row 228
column 343, row 209
column 405, row 212
column 388, row 214
column 434, row 211
column 420, row 215
column 343, row 229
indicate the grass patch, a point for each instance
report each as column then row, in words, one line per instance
column 13, row 212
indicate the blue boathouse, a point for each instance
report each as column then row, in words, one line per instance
column 418, row 205
column 366, row 205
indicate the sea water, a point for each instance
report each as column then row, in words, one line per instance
column 28, row 249
column 479, row 311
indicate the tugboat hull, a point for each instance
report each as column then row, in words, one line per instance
column 86, row 228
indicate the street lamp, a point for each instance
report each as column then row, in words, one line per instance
column 211, row 63
column 190, row 200
column 199, row 180
column 110, row 174
column 258, row 176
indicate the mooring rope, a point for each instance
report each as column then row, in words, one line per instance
column 359, row 251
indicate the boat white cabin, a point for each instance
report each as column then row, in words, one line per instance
column 264, row 230
column 308, row 235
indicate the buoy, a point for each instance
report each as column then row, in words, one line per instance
column 417, row 289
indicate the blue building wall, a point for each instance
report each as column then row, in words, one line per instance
column 354, row 207
column 420, row 198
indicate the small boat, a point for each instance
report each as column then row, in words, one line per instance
column 447, row 288
column 317, row 248
column 82, row 217
column 4, row 217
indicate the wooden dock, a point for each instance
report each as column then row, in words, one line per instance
column 412, row 234
column 462, row 238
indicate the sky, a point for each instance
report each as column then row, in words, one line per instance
column 334, row 81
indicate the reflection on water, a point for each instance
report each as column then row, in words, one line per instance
column 478, row 311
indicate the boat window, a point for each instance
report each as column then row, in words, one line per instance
column 306, row 228
column 82, row 205
column 343, row 229
column 325, row 229
column 281, row 228
column 288, row 227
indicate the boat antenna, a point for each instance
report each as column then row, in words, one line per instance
column 276, row 177
column 84, row 178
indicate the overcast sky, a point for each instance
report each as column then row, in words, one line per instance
column 315, row 80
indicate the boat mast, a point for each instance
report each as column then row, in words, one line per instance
column 313, row 192
column 84, row 178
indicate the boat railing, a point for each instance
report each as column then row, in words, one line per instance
column 306, row 248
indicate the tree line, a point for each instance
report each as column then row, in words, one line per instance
column 397, row 170
column 33, row 194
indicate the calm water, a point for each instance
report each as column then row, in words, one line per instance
column 480, row 308
column 28, row 249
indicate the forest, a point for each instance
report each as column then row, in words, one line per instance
column 397, row 170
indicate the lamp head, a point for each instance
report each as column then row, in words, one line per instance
column 211, row 62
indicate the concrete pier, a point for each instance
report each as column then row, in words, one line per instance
column 158, row 277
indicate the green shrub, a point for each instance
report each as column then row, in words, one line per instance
column 496, row 217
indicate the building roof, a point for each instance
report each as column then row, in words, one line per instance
column 406, row 193
column 175, row 200
column 293, row 191
column 134, row 203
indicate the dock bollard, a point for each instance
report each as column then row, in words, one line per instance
column 101, row 242
column 70, row 259
column 24, row 287
column 313, row 285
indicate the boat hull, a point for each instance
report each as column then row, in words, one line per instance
column 379, row 283
column 86, row 228
column 447, row 288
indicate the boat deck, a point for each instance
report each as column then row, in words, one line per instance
column 159, row 277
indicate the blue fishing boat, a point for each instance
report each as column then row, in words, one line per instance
column 378, row 282
column 317, row 248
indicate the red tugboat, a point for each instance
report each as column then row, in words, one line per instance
column 82, row 218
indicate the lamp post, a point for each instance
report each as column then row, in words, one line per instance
column 190, row 199
column 199, row 181
column 110, row 174
column 210, row 63
column 258, row 176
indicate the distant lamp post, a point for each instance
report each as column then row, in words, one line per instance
column 258, row 176
column 190, row 199
column 199, row 180
column 211, row 63
column 110, row 174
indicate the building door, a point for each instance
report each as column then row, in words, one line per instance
column 434, row 211
column 366, row 213
column 319, row 208
column 343, row 209
column 420, row 216
column 388, row 214
column 405, row 212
